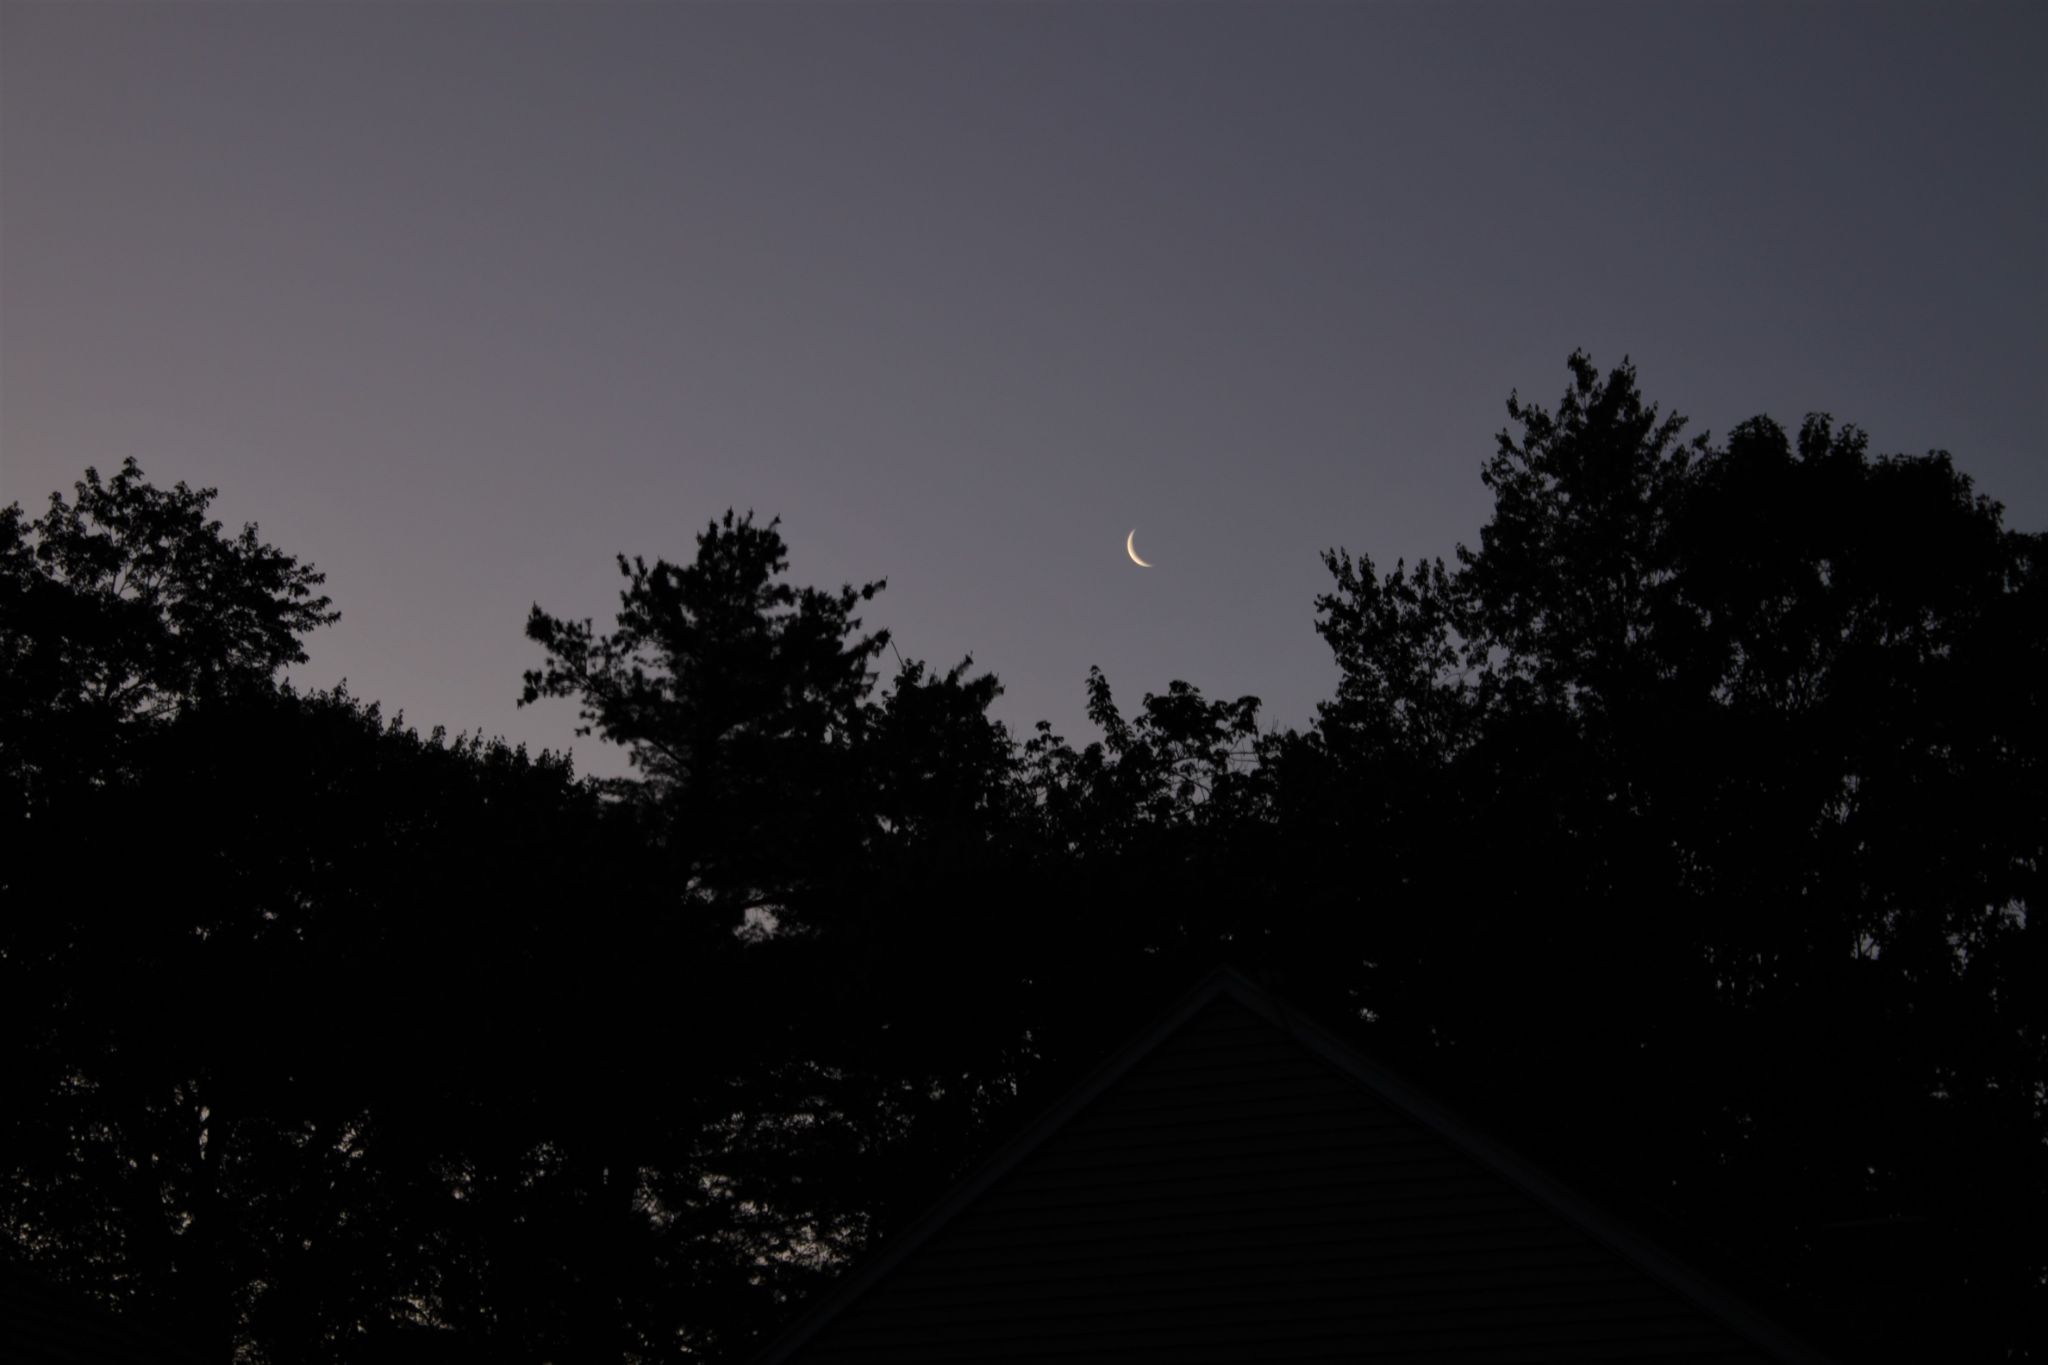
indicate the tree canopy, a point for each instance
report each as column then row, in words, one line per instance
column 1687, row 831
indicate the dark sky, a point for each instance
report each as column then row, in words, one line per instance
column 460, row 300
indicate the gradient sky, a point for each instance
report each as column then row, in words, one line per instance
column 458, row 300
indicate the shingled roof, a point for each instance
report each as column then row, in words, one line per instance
column 1235, row 1184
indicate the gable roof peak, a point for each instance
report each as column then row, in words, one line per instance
column 1228, row 984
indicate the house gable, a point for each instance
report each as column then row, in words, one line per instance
column 1237, row 1185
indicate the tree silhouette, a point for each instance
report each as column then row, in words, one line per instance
column 1749, row 739
column 738, row 697
column 127, row 604
column 817, row 841
column 1687, row 831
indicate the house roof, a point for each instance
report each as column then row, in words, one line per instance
column 1236, row 1183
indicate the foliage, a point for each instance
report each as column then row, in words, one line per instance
column 1750, row 735
column 128, row 601
column 1698, row 811
column 739, row 697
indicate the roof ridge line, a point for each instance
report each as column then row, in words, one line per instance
column 877, row 1265
column 1226, row 982
column 1528, row 1177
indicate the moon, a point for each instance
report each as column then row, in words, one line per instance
column 1131, row 549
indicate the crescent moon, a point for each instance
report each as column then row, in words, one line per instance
column 1131, row 549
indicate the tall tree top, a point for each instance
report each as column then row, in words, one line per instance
column 127, row 601
column 712, row 656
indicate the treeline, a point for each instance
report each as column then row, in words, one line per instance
column 1687, row 832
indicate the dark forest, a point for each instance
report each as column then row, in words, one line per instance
column 1685, row 831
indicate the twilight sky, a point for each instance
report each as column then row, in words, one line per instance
column 458, row 300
